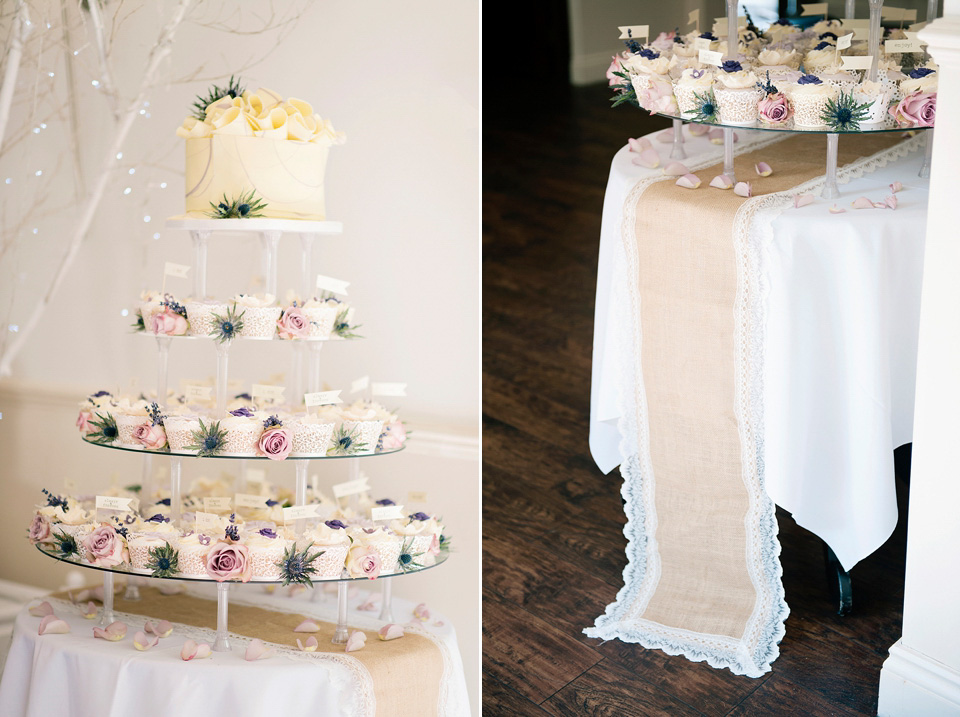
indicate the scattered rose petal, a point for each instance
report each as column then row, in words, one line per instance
column 390, row 632
column 356, row 641
column 370, row 604
column 896, row 187
column 763, row 169
column 307, row 626
column 639, row 144
column 891, row 201
column 802, row 200
column 168, row 588
column 90, row 611
column 862, row 203
column 81, row 596
column 743, row 189
column 193, row 651
column 689, row 181
column 421, row 612
column 142, row 641
column 114, row 631
column 648, row 158
column 161, row 629
column 836, row 210
column 721, row 181
column 256, row 650
column 41, row 610
column 438, row 623
column 666, row 136
column 675, row 169
column 311, row 644
column 52, row 625
column 716, row 136
column 696, row 130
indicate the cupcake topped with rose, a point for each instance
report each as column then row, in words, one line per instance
column 921, row 79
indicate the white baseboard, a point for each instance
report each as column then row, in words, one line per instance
column 914, row 685
column 589, row 69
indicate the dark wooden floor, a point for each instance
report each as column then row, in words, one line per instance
column 553, row 546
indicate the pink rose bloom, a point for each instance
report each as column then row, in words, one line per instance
column 612, row 79
column 152, row 437
column 393, row 436
column 292, row 324
column 275, row 444
column 168, row 323
column 363, row 562
column 774, row 109
column 40, row 530
column 434, row 548
column 105, row 547
column 919, row 108
column 83, row 422
column 664, row 41
column 229, row 561
column 658, row 97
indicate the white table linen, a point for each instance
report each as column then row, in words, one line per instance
column 841, row 314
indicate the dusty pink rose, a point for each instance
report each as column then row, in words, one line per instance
column 658, row 97
column 363, row 562
column 664, row 41
column 229, row 561
column 774, row 109
column 275, row 444
column 105, row 547
column 919, row 108
column 612, row 79
column 393, row 436
column 168, row 323
column 83, row 422
column 40, row 530
column 292, row 324
column 151, row 437
column 434, row 548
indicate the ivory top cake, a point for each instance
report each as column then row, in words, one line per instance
column 254, row 154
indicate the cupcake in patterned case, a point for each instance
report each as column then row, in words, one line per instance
column 737, row 94
column 823, row 58
column 128, row 416
column 99, row 402
column 690, row 83
column 319, row 318
column 843, row 80
column 329, row 538
column 878, row 95
column 163, row 315
column 193, row 549
column 243, row 428
column 384, row 542
column 180, row 430
column 362, row 423
column 266, row 548
column 260, row 315
column 312, row 433
column 201, row 316
column 809, row 97
column 647, row 66
column 65, row 514
column 777, row 58
column 157, row 532
column 922, row 79
column 421, row 538
column 151, row 303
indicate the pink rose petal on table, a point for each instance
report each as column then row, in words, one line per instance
column 675, row 169
column 256, row 650
column 307, row 626
column 142, row 641
column 90, row 611
column 52, row 625
column 390, row 632
column 311, row 644
column 696, row 130
column 666, row 136
column 836, row 210
column 194, row 651
column 763, row 169
column 370, row 604
column 721, row 181
column 648, row 158
column 862, row 203
column 743, row 189
column 639, row 144
column 896, row 187
column 161, row 629
column 41, row 610
column 689, row 181
column 802, row 200
column 891, row 201
column 421, row 612
column 438, row 623
column 716, row 136
column 114, row 631
column 356, row 641
column 81, row 596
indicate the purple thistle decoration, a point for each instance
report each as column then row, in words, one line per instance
column 919, row 72
column 158, row 518
column 649, row 54
column 267, row 532
column 336, row 525
column 385, row 501
column 242, row 412
column 731, row 66
column 419, row 516
column 809, row 80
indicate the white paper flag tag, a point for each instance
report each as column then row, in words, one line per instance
column 246, row 500
column 351, row 487
column 321, row 398
column 360, row 384
column 628, row 32
column 721, row 22
column 207, row 522
column 255, row 475
column 109, row 502
column 297, row 512
column 709, row 57
column 194, row 392
column 387, row 512
column 213, row 505
column 391, row 389
column 814, row 8
column 693, row 17
column 844, row 41
column 267, row 392
column 856, row 62
column 417, row 496
column 891, row 46
column 328, row 283
column 171, row 269
column 702, row 43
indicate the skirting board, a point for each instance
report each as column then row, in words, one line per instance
column 589, row 69
column 914, row 685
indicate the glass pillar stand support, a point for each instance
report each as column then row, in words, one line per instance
column 876, row 35
column 223, row 357
column 163, row 362
column 106, row 615
column 733, row 38
column 300, row 496
column 386, row 601
column 199, row 263
column 306, row 265
column 271, row 243
column 341, row 634
column 927, row 156
column 678, row 152
column 931, row 10
column 222, row 642
column 133, row 590
column 830, row 190
column 728, row 153
column 175, row 490
column 849, row 11
column 313, row 382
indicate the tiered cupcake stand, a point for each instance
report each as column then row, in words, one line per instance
column 270, row 232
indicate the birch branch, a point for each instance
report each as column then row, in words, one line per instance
column 106, row 77
column 21, row 29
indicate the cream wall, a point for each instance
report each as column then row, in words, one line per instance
column 402, row 80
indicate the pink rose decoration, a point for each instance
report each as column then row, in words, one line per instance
column 105, row 547
column 434, row 548
column 275, row 444
column 83, row 422
column 168, row 323
column 612, row 79
column 393, row 436
column 151, row 437
column 229, row 561
column 363, row 562
column 919, row 108
column 664, row 41
column 292, row 324
column 658, row 97
column 40, row 530
column 774, row 109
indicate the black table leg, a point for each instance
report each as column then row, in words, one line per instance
column 838, row 580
